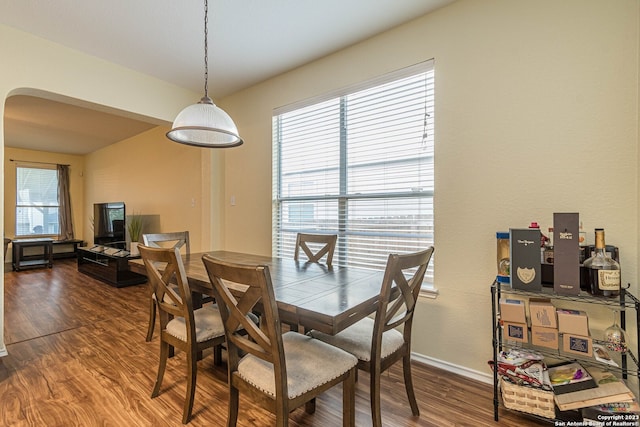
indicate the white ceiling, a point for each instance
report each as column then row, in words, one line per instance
column 249, row 40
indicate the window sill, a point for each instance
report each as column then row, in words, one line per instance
column 431, row 293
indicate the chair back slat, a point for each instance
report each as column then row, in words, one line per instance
column 255, row 288
column 316, row 246
column 176, row 239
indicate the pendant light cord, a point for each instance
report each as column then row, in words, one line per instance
column 206, row 49
column 204, row 124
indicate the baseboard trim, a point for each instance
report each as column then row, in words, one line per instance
column 456, row 369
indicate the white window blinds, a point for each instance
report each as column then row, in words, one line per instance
column 36, row 201
column 358, row 163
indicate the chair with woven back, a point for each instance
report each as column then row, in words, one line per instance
column 381, row 342
column 316, row 246
column 176, row 239
column 181, row 326
column 280, row 372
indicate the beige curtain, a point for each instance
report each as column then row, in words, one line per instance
column 65, row 218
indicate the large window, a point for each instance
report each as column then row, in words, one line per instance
column 36, row 201
column 358, row 163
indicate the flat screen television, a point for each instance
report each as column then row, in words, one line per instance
column 109, row 224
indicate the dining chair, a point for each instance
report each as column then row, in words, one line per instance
column 316, row 246
column 176, row 239
column 280, row 372
column 181, row 326
column 380, row 342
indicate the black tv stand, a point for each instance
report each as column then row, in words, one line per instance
column 108, row 265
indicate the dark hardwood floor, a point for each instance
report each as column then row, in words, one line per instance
column 78, row 357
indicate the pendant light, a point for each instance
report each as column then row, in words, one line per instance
column 205, row 124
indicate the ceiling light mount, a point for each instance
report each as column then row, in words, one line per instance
column 205, row 124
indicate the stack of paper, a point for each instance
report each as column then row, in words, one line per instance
column 609, row 390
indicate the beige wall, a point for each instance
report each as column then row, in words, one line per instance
column 154, row 177
column 536, row 112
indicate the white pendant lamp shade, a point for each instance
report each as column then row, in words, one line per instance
column 205, row 125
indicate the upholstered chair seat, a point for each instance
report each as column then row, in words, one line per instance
column 208, row 324
column 356, row 339
column 307, row 367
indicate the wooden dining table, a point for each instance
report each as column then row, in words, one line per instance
column 328, row 299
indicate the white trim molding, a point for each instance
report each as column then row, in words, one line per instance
column 456, row 369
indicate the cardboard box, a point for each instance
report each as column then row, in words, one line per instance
column 566, row 254
column 573, row 322
column 513, row 310
column 577, row 344
column 524, row 255
column 544, row 337
column 516, row 332
column 542, row 312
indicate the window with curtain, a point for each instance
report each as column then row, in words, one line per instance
column 359, row 163
column 37, row 204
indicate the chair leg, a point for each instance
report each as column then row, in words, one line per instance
column 217, row 355
column 192, row 373
column 234, row 398
column 282, row 412
column 349, row 399
column 374, row 393
column 164, row 353
column 152, row 319
column 282, row 418
column 310, row 406
column 408, row 384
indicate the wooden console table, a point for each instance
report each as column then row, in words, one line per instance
column 21, row 261
column 66, row 248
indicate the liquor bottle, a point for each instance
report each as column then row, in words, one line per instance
column 603, row 271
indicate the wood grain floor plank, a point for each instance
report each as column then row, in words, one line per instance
column 78, row 357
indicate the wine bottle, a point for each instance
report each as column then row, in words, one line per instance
column 603, row 271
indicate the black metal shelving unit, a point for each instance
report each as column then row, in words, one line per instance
column 629, row 365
